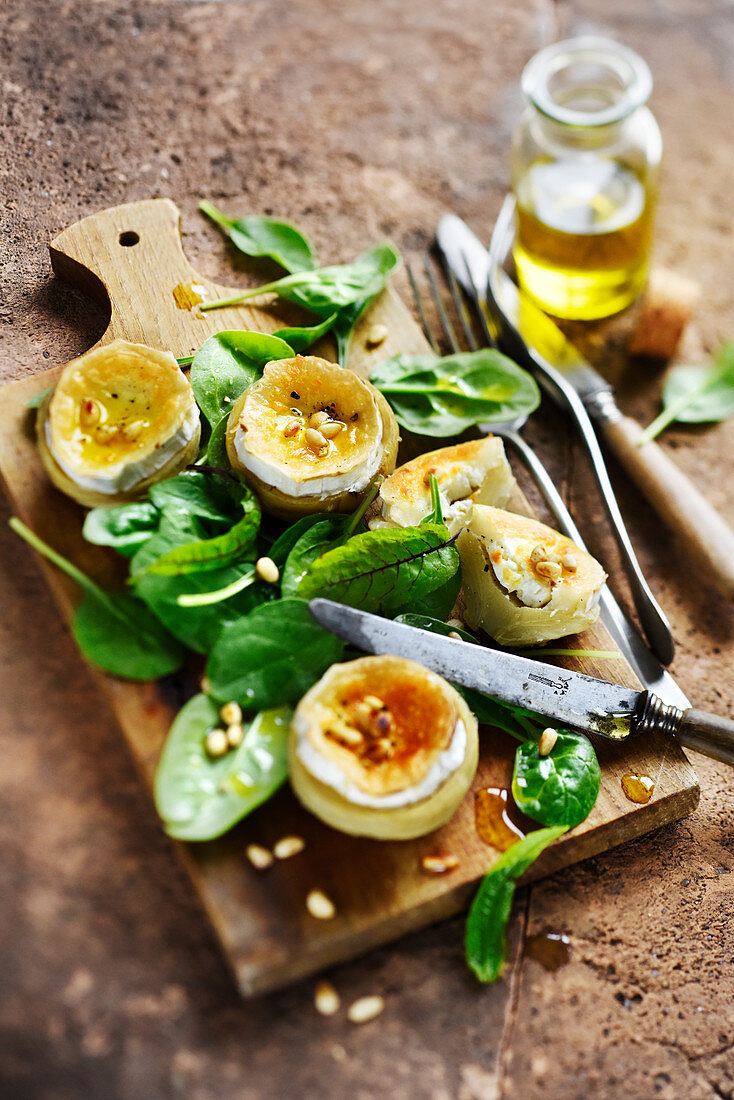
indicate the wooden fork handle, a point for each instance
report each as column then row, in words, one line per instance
column 706, row 536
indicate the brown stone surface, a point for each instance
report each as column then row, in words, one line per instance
column 356, row 121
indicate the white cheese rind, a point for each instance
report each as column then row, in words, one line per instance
column 331, row 775
column 125, row 475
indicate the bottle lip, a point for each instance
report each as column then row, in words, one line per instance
column 624, row 68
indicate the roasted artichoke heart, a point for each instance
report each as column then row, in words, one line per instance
column 120, row 418
column 382, row 747
column 525, row 583
column 310, row 436
column 477, row 471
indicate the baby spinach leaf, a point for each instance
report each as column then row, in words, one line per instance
column 384, row 570
column 124, row 526
column 490, row 911
column 200, row 493
column 261, row 236
column 38, row 398
column 442, row 397
column 285, row 542
column 198, row 627
column 439, row 603
column 327, row 289
column 697, row 394
column 273, row 655
column 226, row 364
column 344, row 327
column 561, row 788
column 315, row 540
column 216, row 448
column 119, row 635
column 302, row 336
column 212, row 553
column 199, row 798
column 114, row 630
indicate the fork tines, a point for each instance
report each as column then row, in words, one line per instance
column 436, row 316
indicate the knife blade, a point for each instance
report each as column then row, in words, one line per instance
column 527, row 334
column 572, row 698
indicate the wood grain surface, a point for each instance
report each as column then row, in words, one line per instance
column 133, row 254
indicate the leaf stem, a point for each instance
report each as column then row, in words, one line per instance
column 669, row 414
column 60, row 562
column 215, row 215
column 203, row 599
column 257, row 291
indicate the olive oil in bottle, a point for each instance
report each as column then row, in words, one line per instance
column 584, row 165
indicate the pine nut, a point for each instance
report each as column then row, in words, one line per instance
column 291, row 428
column 348, row 735
column 568, row 561
column 289, row 846
column 267, row 570
column 455, row 635
column 547, row 740
column 315, row 439
column 377, row 335
column 231, row 714
column 549, row 569
column 235, row 735
column 89, row 414
column 259, row 857
column 365, row 1009
column 318, row 418
column 457, row 624
column 216, row 743
column 439, row 865
column 205, row 685
column 320, row 906
column 373, row 702
column 332, row 428
column 538, row 553
column 326, row 999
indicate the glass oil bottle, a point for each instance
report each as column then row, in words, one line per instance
column 585, row 160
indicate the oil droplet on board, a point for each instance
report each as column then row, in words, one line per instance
column 189, row 295
column 638, row 788
column 492, row 820
column 551, row 949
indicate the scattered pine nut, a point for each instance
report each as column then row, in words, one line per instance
column 332, row 428
column 320, row 906
column 288, row 846
column 267, row 570
column 326, row 999
column 439, row 865
column 348, row 735
column 547, row 740
column 538, row 553
column 315, row 439
column 373, row 702
column 549, row 569
column 291, row 428
column 216, row 743
column 259, row 857
column 377, row 335
column 231, row 714
column 568, row 561
column 457, row 624
column 318, row 418
column 455, row 635
column 365, row 1009
column 235, row 735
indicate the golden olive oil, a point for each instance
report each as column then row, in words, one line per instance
column 583, row 235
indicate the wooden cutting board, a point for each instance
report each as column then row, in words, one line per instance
column 132, row 256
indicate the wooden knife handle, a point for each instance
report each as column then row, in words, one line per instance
column 707, row 537
column 709, row 734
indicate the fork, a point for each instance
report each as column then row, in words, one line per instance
column 650, row 671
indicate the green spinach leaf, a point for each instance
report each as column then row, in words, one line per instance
column 384, row 570
column 344, row 327
column 226, row 364
column 124, row 526
column 490, row 911
column 301, row 337
column 328, row 289
column 212, row 553
column 694, row 395
column 262, row 236
column 442, row 397
column 114, row 630
column 561, row 788
column 315, row 540
column 199, row 798
column 271, row 656
column 38, row 398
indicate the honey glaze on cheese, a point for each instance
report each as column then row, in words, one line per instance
column 386, row 750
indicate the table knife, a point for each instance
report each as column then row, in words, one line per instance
column 529, row 335
column 562, row 695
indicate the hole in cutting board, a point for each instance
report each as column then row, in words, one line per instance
column 128, row 238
